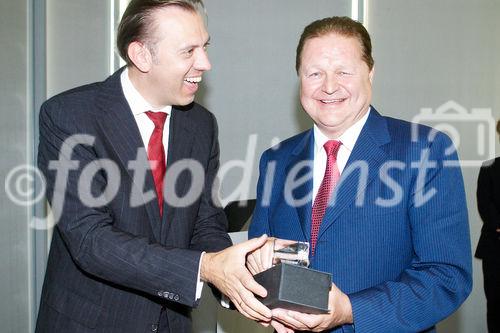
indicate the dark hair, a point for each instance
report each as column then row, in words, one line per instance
column 136, row 23
column 343, row 26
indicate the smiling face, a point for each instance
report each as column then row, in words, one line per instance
column 335, row 82
column 178, row 57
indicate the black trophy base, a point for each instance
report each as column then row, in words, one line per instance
column 295, row 288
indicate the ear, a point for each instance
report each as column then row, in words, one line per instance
column 370, row 75
column 140, row 55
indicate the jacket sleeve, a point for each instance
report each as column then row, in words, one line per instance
column 260, row 220
column 439, row 278
column 210, row 230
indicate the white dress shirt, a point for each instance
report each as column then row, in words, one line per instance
column 348, row 139
column 139, row 107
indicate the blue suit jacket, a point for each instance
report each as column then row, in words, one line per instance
column 395, row 239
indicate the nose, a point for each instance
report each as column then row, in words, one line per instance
column 330, row 84
column 202, row 63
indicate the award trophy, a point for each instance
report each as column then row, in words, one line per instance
column 290, row 284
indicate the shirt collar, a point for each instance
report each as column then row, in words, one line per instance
column 135, row 100
column 348, row 138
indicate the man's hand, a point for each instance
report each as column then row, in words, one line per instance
column 280, row 328
column 261, row 258
column 340, row 314
column 226, row 271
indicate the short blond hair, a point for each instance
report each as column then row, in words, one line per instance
column 342, row 25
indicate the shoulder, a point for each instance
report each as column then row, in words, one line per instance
column 415, row 135
column 71, row 103
column 284, row 148
column 198, row 113
column 197, row 120
column 196, row 117
column 417, row 132
column 83, row 101
column 493, row 164
column 400, row 130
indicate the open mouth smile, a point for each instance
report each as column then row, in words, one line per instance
column 193, row 80
column 333, row 101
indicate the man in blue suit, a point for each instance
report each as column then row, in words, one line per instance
column 384, row 210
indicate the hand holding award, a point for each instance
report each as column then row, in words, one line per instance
column 280, row 266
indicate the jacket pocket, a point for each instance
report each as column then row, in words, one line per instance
column 75, row 307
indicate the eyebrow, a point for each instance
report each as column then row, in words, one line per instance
column 207, row 42
column 192, row 46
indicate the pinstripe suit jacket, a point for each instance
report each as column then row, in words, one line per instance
column 396, row 242
column 116, row 266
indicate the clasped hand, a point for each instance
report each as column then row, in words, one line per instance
column 226, row 270
column 286, row 321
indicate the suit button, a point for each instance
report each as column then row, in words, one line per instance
column 166, row 294
column 176, row 298
column 154, row 328
column 160, row 293
column 171, row 296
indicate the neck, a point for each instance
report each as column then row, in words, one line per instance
column 141, row 84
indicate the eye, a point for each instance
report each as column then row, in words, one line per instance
column 314, row 75
column 344, row 73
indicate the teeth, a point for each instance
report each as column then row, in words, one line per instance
column 327, row 101
column 193, row 79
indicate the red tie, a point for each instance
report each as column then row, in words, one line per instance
column 156, row 154
column 328, row 183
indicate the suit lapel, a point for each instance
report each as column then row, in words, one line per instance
column 120, row 128
column 180, row 147
column 361, row 169
column 303, row 154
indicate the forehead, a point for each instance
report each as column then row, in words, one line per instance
column 174, row 22
column 332, row 44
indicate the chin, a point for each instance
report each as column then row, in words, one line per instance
column 331, row 122
column 185, row 101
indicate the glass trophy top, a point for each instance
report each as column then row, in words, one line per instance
column 291, row 252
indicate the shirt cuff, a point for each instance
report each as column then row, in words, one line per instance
column 225, row 302
column 199, row 283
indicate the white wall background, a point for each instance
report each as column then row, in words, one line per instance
column 78, row 43
column 15, row 265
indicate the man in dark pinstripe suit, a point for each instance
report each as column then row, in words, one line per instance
column 121, row 260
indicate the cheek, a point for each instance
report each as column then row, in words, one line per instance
column 348, row 83
column 358, row 88
column 305, row 98
column 308, row 89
